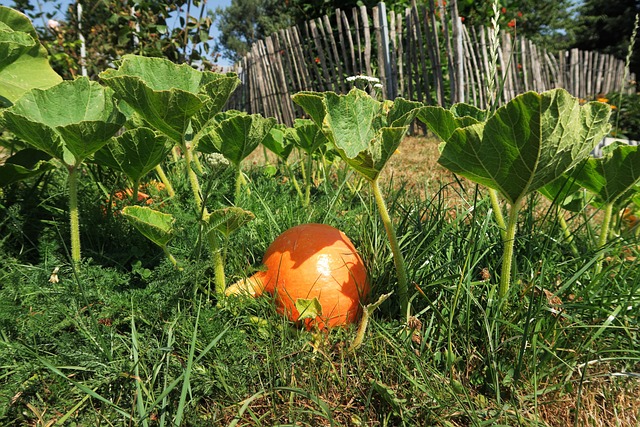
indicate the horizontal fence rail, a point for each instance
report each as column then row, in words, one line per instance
column 426, row 54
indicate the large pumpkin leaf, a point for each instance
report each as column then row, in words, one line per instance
column 13, row 44
column 155, row 226
column 69, row 121
column 276, row 142
column 135, row 153
column 236, row 136
column 306, row 135
column 24, row 165
column 168, row 95
column 228, row 220
column 613, row 177
column 364, row 131
column 566, row 193
column 444, row 122
column 23, row 60
column 528, row 143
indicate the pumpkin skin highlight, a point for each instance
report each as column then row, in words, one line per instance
column 314, row 261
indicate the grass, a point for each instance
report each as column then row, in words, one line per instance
column 130, row 340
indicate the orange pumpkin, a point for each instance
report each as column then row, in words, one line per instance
column 312, row 261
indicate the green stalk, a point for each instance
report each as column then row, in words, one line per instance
column 509, row 241
column 74, row 217
column 295, row 182
column 240, row 182
column 165, row 181
column 497, row 213
column 398, row 259
column 216, row 253
column 604, row 233
column 309, row 178
column 134, row 192
column 218, row 263
column 171, row 257
column 567, row 234
column 193, row 178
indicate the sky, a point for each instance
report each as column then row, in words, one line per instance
column 211, row 5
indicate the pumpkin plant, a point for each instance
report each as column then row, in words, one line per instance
column 135, row 153
column 180, row 102
column 612, row 180
column 176, row 100
column 307, row 136
column 70, row 122
column 365, row 132
column 315, row 275
column 155, row 226
column 235, row 135
column 526, row 144
column 282, row 148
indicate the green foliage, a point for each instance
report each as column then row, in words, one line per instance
column 528, row 143
column 545, row 22
column 626, row 116
column 614, row 21
column 112, row 29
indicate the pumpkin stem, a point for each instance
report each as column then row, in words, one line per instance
column 251, row 286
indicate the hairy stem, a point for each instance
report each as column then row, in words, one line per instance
column 497, row 213
column 165, row 181
column 567, row 234
column 295, row 182
column 74, row 217
column 193, row 178
column 171, row 257
column 398, row 259
column 308, row 180
column 509, row 241
column 240, row 182
column 218, row 263
column 604, row 233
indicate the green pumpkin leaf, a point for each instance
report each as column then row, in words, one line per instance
column 566, row 193
column 227, row 220
column 276, row 142
column 306, row 135
column 154, row 225
column 13, row 44
column 528, row 143
column 444, row 122
column 23, row 60
column 463, row 110
column 23, row 165
column 168, row 95
column 69, row 121
column 235, row 137
column 364, row 131
column 613, row 177
column 135, row 153
column 308, row 308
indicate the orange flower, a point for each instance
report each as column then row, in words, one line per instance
column 512, row 23
column 602, row 99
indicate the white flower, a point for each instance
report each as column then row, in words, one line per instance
column 53, row 24
column 368, row 79
column 378, row 85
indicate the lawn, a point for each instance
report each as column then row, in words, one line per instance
column 127, row 339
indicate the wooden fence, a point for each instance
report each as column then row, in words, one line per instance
column 425, row 54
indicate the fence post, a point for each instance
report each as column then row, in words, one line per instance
column 389, row 84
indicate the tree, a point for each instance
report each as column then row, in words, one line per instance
column 112, row 28
column 543, row 21
column 606, row 26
